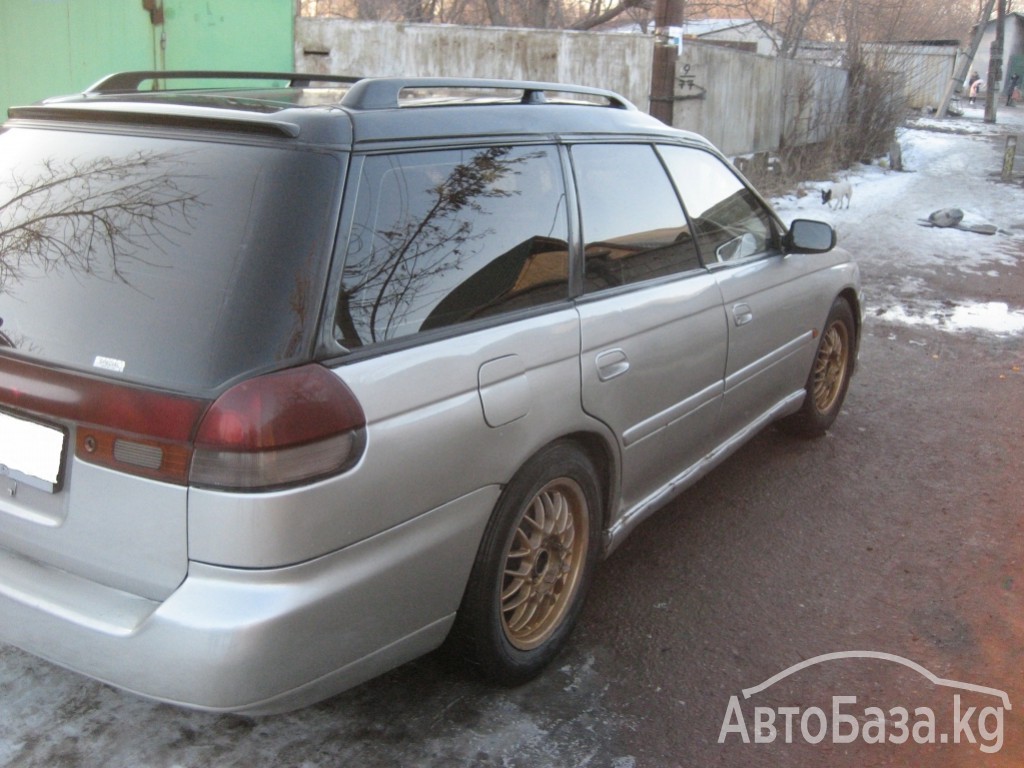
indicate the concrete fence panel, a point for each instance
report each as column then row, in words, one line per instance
column 748, row 103
column 923, row 71
column 743, row 102
column 621, row 63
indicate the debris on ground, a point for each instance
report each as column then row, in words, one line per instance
column 953, row 218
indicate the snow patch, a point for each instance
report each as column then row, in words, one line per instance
column 912, row 273
column 990, row 317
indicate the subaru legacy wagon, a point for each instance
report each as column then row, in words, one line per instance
column 302, row 377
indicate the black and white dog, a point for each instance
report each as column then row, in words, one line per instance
column 836, row 193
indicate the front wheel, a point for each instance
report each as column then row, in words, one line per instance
column 533, row 568
column 830, row 374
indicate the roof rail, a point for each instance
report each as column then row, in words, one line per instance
column 384, row 92
column 365, row 93
column 129, row 82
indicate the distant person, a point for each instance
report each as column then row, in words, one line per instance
column 1014, row 82
column 976, row 86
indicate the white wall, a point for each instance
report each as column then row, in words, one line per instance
column 1013, row 43
column 924, row 71
column 748, row 103
column 620, row 63
column 743, row 102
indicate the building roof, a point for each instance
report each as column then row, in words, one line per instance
column 698, row 27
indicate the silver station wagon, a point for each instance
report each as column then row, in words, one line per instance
column 302, row 377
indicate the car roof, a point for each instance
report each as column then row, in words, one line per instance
column 338, row 110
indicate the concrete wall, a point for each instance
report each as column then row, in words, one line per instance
column 755, row 103
column 747, row 103
column 1013, row 45
column 756, row 39
column 621, row 63
column 743, row 102
column 924, row 71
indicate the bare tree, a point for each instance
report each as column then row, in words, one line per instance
column 430, row 236
column 793, row 20
column 92, row 218
column 495, row 14
column 860, row 21
column 541, row 14
column 597, row 16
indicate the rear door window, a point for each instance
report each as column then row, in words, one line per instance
column 446, row 237
column 633, row 223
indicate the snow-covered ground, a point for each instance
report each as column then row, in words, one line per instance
column 919, row 276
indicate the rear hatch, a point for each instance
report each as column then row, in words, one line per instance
column 142, row 272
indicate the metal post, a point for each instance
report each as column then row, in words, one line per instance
column 1009, row 155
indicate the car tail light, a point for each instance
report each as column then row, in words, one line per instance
column 134, row 430
column 270, row 431
column 279, row 429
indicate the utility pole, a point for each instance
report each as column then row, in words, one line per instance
column 961, row 74
column 995, row 65
column 668, row 13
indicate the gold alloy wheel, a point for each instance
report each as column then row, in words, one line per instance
column 544, row 563
column 830, row 366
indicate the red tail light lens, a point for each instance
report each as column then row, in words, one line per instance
column 271, row 431
column 278, row 429
column 132, row 430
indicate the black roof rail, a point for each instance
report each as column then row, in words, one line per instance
column 384, row 92
column 366, row 93
column 129, row 82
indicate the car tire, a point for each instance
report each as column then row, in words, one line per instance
column 533, row 568
column 830, row 374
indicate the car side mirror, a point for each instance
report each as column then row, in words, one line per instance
column 806, row 236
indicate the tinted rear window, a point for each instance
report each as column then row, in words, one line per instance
column 633, row 222
column 181, row 264
column 445, row 237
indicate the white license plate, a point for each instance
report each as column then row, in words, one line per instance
column 30, row 452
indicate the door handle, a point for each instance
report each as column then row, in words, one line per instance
column 742, row 314
column 611, row 363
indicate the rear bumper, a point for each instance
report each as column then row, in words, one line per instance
column 256, row 641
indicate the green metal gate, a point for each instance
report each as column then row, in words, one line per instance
column 50, row 47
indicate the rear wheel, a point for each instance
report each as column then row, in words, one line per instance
column 533, row 568
column 830, row 374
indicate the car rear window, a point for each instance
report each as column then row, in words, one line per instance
column 180, row 264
